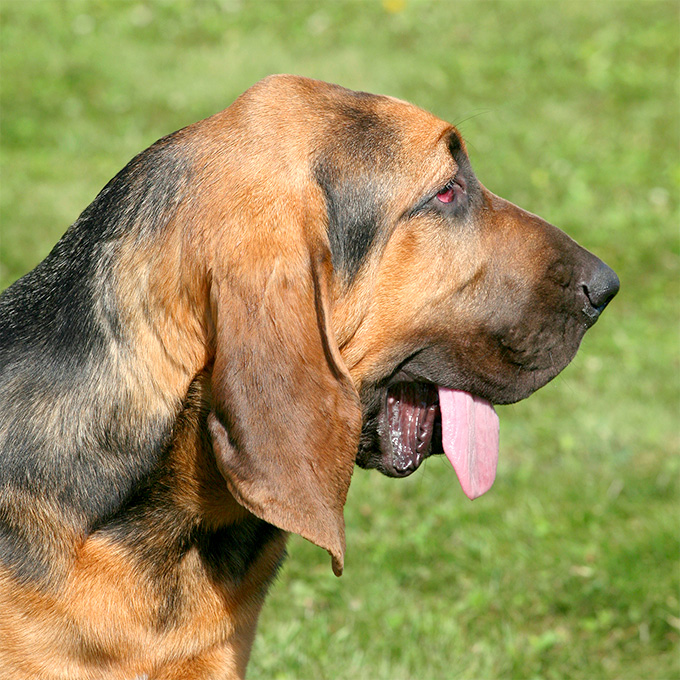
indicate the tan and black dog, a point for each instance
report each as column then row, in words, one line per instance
column 310, row 279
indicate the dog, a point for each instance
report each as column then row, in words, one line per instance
column 311, row 279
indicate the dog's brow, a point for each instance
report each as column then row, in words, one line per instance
column 455, row 146
column 448, row 133
column 454, row 141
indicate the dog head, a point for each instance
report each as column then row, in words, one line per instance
column 371, row 299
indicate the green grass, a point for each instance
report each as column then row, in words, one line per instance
column 568, row 568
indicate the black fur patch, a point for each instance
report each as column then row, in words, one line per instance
column 456, row 147
column 159, row 537
column 353, row 223
column 229, row 552
column 19, row 552
column 352, row 169
column 65, row 429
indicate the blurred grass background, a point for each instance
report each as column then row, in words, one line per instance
column 569, row 567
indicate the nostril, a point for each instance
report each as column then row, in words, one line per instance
column 593, row 299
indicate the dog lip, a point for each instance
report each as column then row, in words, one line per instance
column 404, row 375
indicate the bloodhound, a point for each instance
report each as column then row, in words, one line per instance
column 310, row 279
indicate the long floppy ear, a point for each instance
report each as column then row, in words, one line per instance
column 285, row 421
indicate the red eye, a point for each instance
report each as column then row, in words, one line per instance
column 456, row 189
column 446, row 195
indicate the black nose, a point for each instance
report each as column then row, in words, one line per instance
column 600, row 286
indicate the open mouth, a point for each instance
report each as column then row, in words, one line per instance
column 421, row 419
column 411, row 415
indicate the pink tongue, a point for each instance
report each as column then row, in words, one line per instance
column 470, row 439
